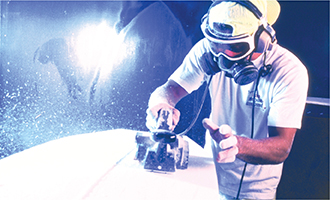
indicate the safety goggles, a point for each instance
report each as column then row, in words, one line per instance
column 232, row 47
column 234, row 50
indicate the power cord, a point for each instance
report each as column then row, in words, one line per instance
column 262, row 72
column 252, row 129
column 200, row 108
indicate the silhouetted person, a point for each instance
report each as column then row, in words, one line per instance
column 57, row 52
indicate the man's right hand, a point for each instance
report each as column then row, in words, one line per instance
column 152, row 116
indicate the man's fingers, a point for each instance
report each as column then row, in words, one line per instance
column 213, row 129
column 225, row 129
column 209, row 125
column 228, row 155
column 176, row 116
column 151, row 122
column 228, row 142
column 153, row 114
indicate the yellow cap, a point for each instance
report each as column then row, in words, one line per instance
column 240, row 19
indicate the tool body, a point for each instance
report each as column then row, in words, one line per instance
column 162, row 149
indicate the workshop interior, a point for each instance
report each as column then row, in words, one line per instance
column 75, row 67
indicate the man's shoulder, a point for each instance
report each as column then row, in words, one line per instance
column 201, row 45
column 287, row 67
column 283, row 59
column 283, row 54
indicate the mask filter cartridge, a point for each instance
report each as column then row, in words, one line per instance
column 243, row 72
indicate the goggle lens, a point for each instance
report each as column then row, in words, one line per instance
column 234, row 50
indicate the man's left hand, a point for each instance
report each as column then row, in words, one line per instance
column 226, row 139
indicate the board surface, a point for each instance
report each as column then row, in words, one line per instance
column 101, row 166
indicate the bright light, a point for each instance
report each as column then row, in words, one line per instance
column 99, row 46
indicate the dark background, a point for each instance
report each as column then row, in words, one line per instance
column 32, row 112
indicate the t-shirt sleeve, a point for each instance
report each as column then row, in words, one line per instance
column 191, row 73
column 289, row 96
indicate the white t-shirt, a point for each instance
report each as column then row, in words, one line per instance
column 280, row 102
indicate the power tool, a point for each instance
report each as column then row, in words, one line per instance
column 162, row 149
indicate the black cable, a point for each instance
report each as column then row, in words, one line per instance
column 200, row 108
column 262, row 72
column 252, row 127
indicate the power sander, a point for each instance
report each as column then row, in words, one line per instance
column 162, row 149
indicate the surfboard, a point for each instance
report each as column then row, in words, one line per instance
column 101, row 165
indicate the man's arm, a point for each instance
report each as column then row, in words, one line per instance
column 165, row 97
column 272, row 150
column 170, row 93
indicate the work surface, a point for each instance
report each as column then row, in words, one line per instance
column 101, row 166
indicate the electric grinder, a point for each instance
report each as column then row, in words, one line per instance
column 162, row 149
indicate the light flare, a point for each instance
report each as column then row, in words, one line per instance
column 99, row 47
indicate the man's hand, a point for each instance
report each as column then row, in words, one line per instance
column 227, row 141
column 152, row 116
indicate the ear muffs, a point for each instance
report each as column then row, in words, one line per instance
column 262, row 40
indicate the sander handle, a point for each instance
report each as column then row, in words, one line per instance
column 164, row 120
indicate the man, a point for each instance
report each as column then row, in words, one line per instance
column 258, row 92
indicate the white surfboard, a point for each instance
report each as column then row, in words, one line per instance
column 101, row 165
